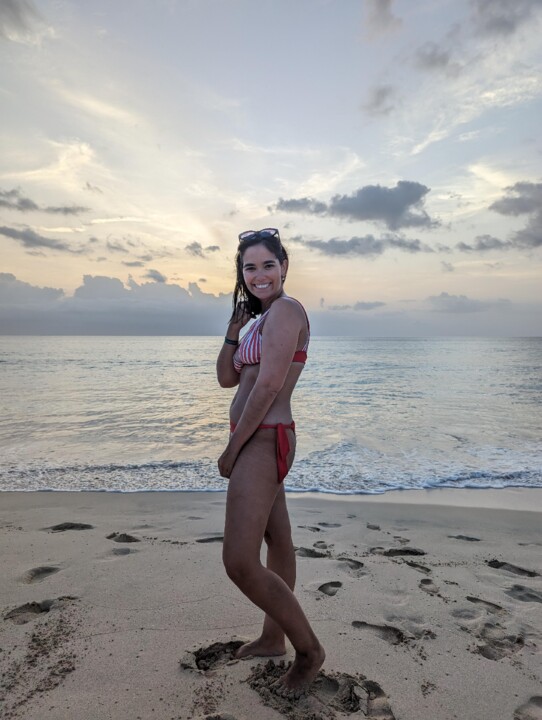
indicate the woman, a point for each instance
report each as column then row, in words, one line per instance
column 266, row 366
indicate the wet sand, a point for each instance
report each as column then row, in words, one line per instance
column 429, row 605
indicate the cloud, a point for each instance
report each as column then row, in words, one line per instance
column 13, row 200
column 431, row 56
column 446, row 303
column 359, row 306
column 30, row 239
column 133, row 263
column 106, row 306
column 367, row 245
column 17, row 292
column 380, row 101
column 379, row 17
column 115, row 246
column 92, row 188
column 396, row 207
column 523, row 198
column 482, row 243
column 20, row 21
column 156, row 276
column 195, row 248
column 501, row 18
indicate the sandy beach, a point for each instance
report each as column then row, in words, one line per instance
column 116, row 606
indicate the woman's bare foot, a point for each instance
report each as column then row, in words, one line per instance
column 296, row 682
column 261, row 648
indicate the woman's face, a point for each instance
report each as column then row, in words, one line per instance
column 262, row 273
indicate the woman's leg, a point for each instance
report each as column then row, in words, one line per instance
column 252, row 492
column 281, row 560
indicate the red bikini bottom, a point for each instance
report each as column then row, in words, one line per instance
column 283, row 445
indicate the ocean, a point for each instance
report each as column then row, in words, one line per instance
column 146, row 413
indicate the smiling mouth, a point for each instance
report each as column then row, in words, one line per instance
column 262, row 287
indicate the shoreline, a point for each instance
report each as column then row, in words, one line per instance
column 510, row 498
column 434, row 606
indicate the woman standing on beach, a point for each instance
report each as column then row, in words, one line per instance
column 265, row 365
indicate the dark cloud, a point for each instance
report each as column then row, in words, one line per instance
column 380, row 101
column 202, row 280
column 432, row 57
column 523, row 198
column 195, row 248
column 379, row 17
column 115, row 246
column 17, row 17
column 30, row 239
column 133, row 263
column 482, row 243
column 367, row 245
column 13, row 200
column 502, row 18
column 156, row 276
column 92, row 188
column 447, row 267
column 446, row 303
column 17, row 292
column 357, row 307
column 106, row 306
column 397, row 207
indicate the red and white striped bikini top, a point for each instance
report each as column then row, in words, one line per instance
column 249, row 351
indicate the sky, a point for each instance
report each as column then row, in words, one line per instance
column 395, row 144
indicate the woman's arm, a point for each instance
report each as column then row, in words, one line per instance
column 279, row 341
column 227, row 375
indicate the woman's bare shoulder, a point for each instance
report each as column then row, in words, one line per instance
column 287, row 306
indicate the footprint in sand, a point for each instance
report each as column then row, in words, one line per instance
column 389, row 633
column 514, row 569
column 330, row 588
column 122, row 538
column 202, row 659
column 212, row 539
column 418, row 567
column 30, row 611
column 524, row 594
column 370, row 526
column 429, row 586
column 489, row 606
column 321, row 545
column 468, row 538
column 310, row 553
column 396, row 552
column 329, row 525
column 38, row 574
column 216, row 716
column 347, row 694
column 310, row 527
column 351, row 566
column 531, row 710
column 62, row 527
column 498, row 643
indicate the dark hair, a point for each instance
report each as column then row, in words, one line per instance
column 241, row 293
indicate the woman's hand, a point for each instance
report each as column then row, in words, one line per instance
column 241, row 316
column 226, row 462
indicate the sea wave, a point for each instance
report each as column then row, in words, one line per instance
column 324, row 471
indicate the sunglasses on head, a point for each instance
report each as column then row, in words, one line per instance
column 266, row 232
